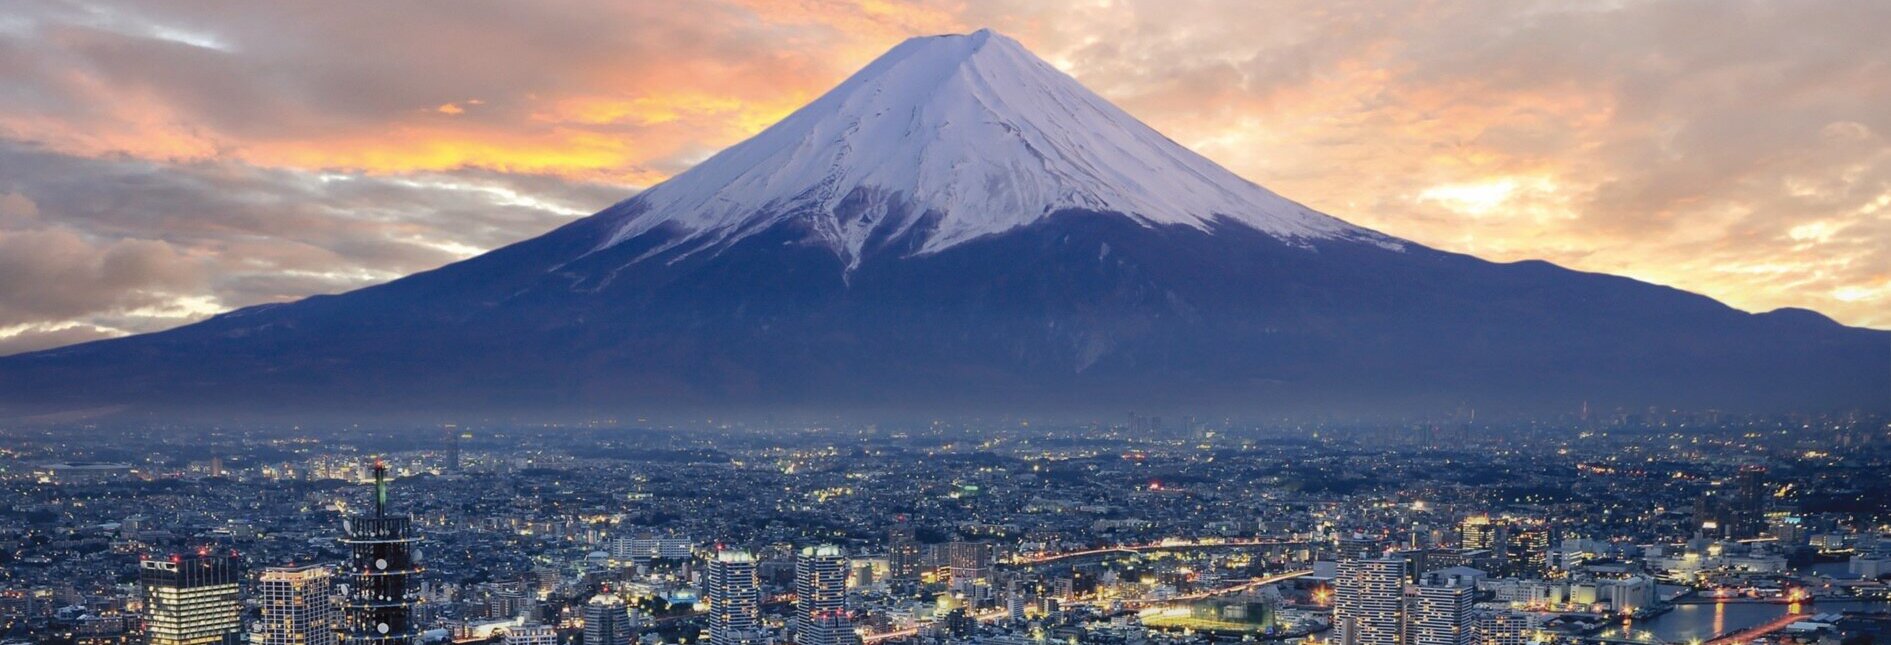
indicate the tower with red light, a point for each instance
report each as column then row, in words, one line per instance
column 382, row 574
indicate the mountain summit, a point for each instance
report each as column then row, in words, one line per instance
column 961, row 228
column 948, row 139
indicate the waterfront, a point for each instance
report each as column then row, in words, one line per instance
column 1692, row 623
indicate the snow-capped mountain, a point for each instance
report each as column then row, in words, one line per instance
column 960, row 137
column 961, row 228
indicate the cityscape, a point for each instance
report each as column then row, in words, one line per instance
column 1635, row 528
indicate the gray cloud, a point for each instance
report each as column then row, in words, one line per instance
column 92, row 247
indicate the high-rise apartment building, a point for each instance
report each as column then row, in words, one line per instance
column 902, row 551
column 970, row 562
column 192, row 600
column 734, row 596
column 297, row 606
column 1369, row 602
column 820, row 581
column 1440, row 615
column 1503, row 628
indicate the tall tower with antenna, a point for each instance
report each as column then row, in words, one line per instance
column 382, row 574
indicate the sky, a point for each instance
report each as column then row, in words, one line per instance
column 165, row 160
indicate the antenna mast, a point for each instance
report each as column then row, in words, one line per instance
column 380, row 488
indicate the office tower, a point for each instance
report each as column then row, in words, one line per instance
column 534, row 634
column 970, row 562
column 1477, row 532
column 298, row 606
column 1369, row 602
column 1529, row 549
column 820, row 584
column 1749, row 501
column 607, row 621
column 379, row 606
column 902, row 551
column 452, row 449
column 1440, row 615
column 735, row 599
column 192, row 600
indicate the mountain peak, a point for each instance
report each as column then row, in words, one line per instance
column 952, row 138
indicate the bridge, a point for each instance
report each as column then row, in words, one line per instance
column 1221, row 591
column 1750, row 633
column 1166, row 545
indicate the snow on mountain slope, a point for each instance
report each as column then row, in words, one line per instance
column 973, row 131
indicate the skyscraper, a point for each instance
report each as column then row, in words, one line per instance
column 607, row 621
column 1369, row 602
column 1440, row 615
column 820, row 582
column 192, row 600
column 379, row 607
column 298, row 606
column 735, row 599
column 452, row 448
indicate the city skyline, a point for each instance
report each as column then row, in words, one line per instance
column 1189, row 536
